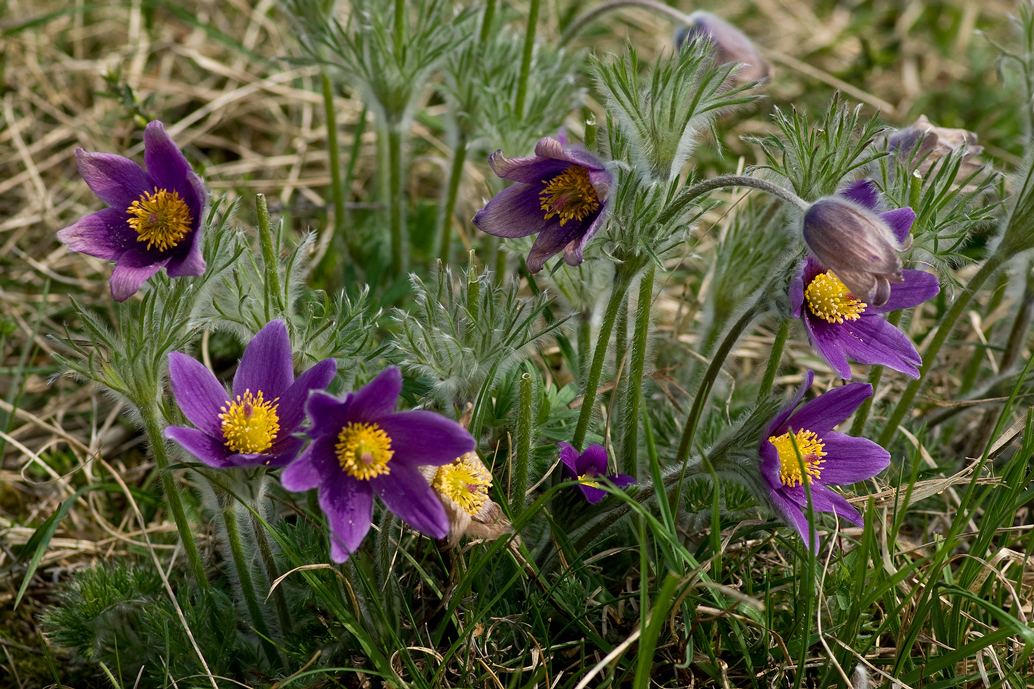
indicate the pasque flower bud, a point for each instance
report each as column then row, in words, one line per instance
column 921, row 144
column 730, row 45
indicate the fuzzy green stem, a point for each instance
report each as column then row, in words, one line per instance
column 682, row 201
column 353, row 160
column 272, row 573
column 400, row 21
column 486, row 20
column 529, row 48
column 395, row 201
column 592, row 382
column 473, row 291
column 773, row 359
column 584, row 334
column 875, row 373
column 634, row 378
column 943, row 331
column 459, row 156
column 269, row 257
column 337, row 190
column 522, row 439
column 592, row 15
column 241, row 567
column 172, row 497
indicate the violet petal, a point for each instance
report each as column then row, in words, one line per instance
column 198, row 393
column 830, row 408
column 379, row 397
column 327, row 413
column 900, row 222
column 872, row 340
column 829, row 341
column 407, row 494
column 266, row 364
column 863, row 192
column 515, row 212
column 165, row 162
column 203, row 446
column 593, row 461
column 592, row 495
column 424, row 437
column 918, row 286
column 569, row 457
column 850, row 460
column 292, row 401
column 776, row 427
column 116, row 180
column 132, row 270
column 104, row 234
column 791, row 513
column 348, row 504
column 311, row 467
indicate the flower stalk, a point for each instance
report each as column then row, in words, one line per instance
column 522, row 454
column 272, row 573
column 396, row 218
column 459, row 156
column 269, row 257
column 337, row 189
column 529, row 48
column 774, row 357
column 682, row 201
column 634, row 379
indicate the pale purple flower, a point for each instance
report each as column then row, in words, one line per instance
column 361, row 446
column 155, row 217
column 829, row 458
column 560, row 194
column 730, row 45
column 921, row 144
column 254, row 424
column 588, row 468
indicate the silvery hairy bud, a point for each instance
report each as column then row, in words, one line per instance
column 730, row 45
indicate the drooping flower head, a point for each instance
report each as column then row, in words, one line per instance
column 154, row 221
column 462, row 485
column 588, row 468
column 921, row 144
column 800, row 446
column 842, row 326
column 361, row 446
column 730, row 45
column 848, row 236
column 560, row 194
column 254, row 424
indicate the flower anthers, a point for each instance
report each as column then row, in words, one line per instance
column 588, row 468
column 462, row 485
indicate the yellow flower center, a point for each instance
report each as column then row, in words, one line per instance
column 569, row 195
column 587, row 480
column 364, row 450
column 810, row 447
column 162, row 219
column 250, row 423
column 465, row 483
column 830, row 300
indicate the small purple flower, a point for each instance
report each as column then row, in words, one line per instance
column 155, row 217
column 730, row 45
column 849, row 236
column 828, row 458
column 842, row 326
column 256, row 424
column 560, row 193
column 361, row 446
column 587, row 468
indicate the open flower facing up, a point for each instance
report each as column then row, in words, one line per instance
column 560, row 194
column 155, row 217
column 842, row 326
column 827, row 457
column 588, row 468
column 361, row 446
column 462, row 485
column 256, row 424
column 730, row 45
column 848, row 236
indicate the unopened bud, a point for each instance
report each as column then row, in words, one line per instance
column 730, row 45
column 921, row 145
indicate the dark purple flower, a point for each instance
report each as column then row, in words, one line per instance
column 849, row 236
column 256, row 424
column 730, row 45
column 360, row 446
column 155, row 217
column 828, row 458
column 560, row 194
column 588, row 468
column 842, row 326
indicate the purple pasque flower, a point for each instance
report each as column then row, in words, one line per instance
column 842, row 326
column 255, row 424
column 730, row 45
column 560, row 194
column 848, row 235
column 588, row 468
column 361, row 446
column 828, row 458
column 154, row 221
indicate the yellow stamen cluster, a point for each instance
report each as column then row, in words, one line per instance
column 569, row 195
column 162, row 219
column 588, row 480
column 811, row 453
column 829, row 299
column 364, row 450
column 465, row 483
column 250, row 423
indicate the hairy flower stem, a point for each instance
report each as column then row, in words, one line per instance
column 682, row 201
column 773, row 359
column 634, row 378
column 993, row 263
column 242, row 569
column 522, row 454
column 400, row 20
column 622, row 280
column 154, row 436
column 269, row 260
column 272, row 573
column 875, row 373
column 486, row 20
column 596, row 12
column 459, row 156
column 529, row 48
column 395, row 200
column 337, row 189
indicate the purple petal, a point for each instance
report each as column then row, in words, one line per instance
column 900, row 222
column 621, row 480
column 918, row 286
column 379, row 397
column 829, row 339
column 592, row 495
column 548, row 147
column 116, row 180
column 104, row 234
column 166, row 164
column 843, row 509
column 532, row 170
column 569, row 456
column 348, row 504
column 266, row 364
column 292, row 401
column 281, row 454
column 553, row 240
column 791, row 513
column 872, row 340
column 593, row 461
column 423, row 437
column 133, row 269
column 190, row 263
column 770, row 464
column 327, row 413
column 797, row 289
column 830, row 408
column 406, row 493
column 850, row 460
column 778, row 421
column 203, row 446
column 573, row 250
column 515, row 212
column 199, row 395
column 312, row 468
column 823, row 500
column 863, row 192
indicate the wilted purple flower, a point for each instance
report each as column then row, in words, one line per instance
column 462, row 485
column 256, row 424
column 861, row 245
column 361, row 446
column 828, row 458
column 588, row 468
column 730, row 45
column 560, row 194
column 841, row 326
column 921, row 145
column 155, row 217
